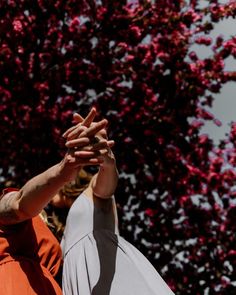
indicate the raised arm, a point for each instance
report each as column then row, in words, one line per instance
column 104, row 183
column 37, row 192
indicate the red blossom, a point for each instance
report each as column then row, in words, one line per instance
column 17, row 25
column 203, row 40
column 133, row 60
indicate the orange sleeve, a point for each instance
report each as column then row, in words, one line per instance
column 8, row 190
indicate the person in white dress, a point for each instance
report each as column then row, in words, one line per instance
column 96, row 259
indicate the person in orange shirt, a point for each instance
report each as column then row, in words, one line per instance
column 30, row 255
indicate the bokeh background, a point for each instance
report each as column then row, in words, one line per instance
column 162, row 73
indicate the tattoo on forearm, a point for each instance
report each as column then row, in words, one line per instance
column 7, row 213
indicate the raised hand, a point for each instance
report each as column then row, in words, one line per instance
column 75, row 131
column 87, row 141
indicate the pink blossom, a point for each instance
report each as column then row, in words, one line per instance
column 217, row 122
column 204, row 40
column 74, row 25
column 17, row 25
column 134, row 63
column 135, row 31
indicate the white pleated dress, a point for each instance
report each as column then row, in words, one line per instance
column 98, row 261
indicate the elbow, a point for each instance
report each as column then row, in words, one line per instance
column 22, row 210
column 11, row 211
column 25, row 213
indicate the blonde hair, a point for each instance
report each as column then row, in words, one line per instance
column 76, row 187
column 56, row 217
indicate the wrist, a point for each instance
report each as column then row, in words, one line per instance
column 66, row 171
column 108, row 162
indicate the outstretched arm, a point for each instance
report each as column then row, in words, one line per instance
column 104, row 183
column 37, row 192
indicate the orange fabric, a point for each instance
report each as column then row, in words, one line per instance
column 30, row 256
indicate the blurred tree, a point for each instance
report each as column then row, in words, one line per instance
column 133, row 61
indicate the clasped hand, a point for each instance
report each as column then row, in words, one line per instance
column 87, row 141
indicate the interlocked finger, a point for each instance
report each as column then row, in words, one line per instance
column 89, row 118
column 80, row 122
column 78, row 142
column 82, row 131
column 102, row 144
column 94, row 128
column 76, row 132
column 85, row 154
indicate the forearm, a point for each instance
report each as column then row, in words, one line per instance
column 38, row 191
column 105, row 181
column 34, row 195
